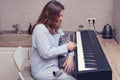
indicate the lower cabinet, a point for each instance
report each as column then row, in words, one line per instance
column 8, row 70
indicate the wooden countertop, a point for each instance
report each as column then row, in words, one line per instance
column 112, row 52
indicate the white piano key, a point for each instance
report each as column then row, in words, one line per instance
column 80, row 56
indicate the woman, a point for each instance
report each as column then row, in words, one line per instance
column 45, row 45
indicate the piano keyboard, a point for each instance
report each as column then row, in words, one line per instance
column 90, row 61
column 86, row 59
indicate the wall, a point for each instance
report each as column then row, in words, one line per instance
column 76, row 12
column 116, row 18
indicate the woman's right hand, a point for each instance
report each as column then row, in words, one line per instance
column 71, row 46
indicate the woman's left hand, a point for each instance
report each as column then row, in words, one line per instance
column 69, row 64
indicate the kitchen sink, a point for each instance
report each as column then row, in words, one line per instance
column 14, row 38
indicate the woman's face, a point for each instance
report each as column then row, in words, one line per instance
column 60, row 17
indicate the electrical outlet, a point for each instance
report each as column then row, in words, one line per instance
column 90, row 19
column 94, row 19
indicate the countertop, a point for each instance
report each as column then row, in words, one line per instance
column 26, row 43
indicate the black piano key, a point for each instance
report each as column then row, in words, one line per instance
column 88, row 54
column 86, row 50
column 89, row 61
column 90, row 66
column 90, row 58
column 86, row 46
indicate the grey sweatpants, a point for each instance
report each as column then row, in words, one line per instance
column 61, row 75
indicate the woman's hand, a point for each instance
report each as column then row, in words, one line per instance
column 71, row 46
column 68, row 64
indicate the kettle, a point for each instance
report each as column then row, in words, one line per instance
column 107, row 32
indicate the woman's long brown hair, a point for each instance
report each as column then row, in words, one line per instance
column 49, row 16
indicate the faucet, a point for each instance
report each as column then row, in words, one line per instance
column 17, row 28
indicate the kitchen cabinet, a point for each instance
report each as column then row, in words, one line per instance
column 8, row 70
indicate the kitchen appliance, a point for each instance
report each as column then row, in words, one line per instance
column 107, row 32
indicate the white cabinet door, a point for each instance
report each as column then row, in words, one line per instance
column 7, row 69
